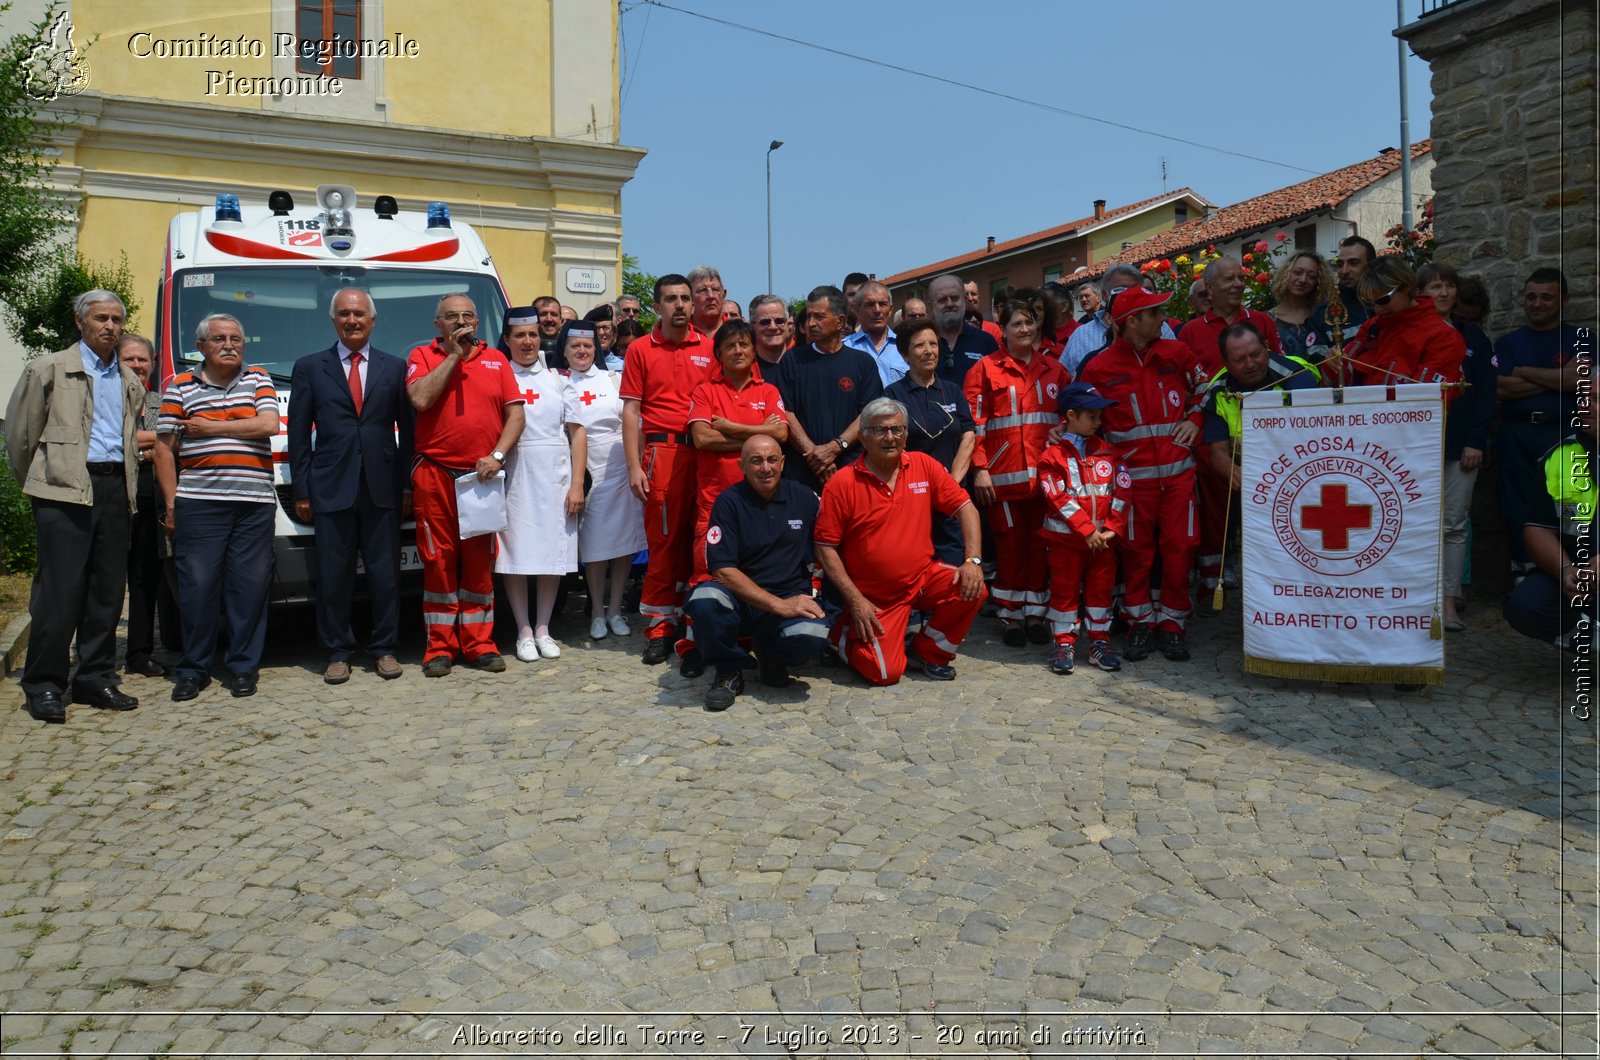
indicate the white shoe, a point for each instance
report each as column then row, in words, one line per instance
column 598, row 629
column 527, row 650
column 548, row 648
column 619, row 626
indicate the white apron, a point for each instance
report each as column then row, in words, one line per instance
column 613, row 518
column 540, row 539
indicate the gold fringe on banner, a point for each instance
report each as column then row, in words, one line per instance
column 1347, row 674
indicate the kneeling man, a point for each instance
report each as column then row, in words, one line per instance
column 875, row 543
column 758, row 550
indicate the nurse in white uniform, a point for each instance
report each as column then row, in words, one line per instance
column 544, row 486
column 611, row 530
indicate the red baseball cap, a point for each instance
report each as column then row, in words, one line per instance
column 1133, row 299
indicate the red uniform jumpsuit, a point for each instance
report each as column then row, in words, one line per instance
column 1085, row 492
column 1201, row 335
column 1155, row 391
column 884, row 536
column 457, row 431
column 661, row 376
column 716, row 470
column 1014, row 408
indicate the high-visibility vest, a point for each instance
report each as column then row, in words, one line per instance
column 1228, row 401
column 1570, row 482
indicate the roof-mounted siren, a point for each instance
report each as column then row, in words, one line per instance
column 228, row 213
column 438, row 217
column 385, row 207
column 281, row 203
column 336, row 201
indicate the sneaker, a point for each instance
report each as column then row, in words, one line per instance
column 548, row 648
column 437, row 666
column 598, row 630
column 655, row 650
column 934, row 671
column 1172, row 645
column 692, row 664
column 619, row 625
column 1061, row 659
column 774, row 674
column 1137, row 646
column 490, row 662
column 527, row 650
column 1101, row 655
column 725, row 688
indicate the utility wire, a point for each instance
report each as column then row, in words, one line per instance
column 975, row 88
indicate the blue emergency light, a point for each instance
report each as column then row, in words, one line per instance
column 228, row 208
column 438, row 215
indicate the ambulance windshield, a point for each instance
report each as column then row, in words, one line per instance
column 284, row 309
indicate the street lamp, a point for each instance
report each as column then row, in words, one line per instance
column 773, row 147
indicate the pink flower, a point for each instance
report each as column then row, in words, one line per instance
column 1280, row 237
column 1261, row 247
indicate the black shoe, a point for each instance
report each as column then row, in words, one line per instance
column 1137, row 645
column 830, row 656
column 145, row 668
column 241, row 685
column 1061, row 659
column 103, row 697
column 48, row 707
column 491, row 662
column 934, row 671
column 1015, row 636
column 725, row 688
column 655, row 650
column 1172, row 645
column 189, row 687
column 1039, row 633
column 692, row 664
column 774, row 674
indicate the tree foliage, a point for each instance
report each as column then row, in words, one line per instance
column 40, row 308
column 31, row 218
column 642, row 285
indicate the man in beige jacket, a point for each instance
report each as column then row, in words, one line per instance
column 70, row 437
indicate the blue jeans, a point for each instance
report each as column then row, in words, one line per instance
column 719, row 618
column 223, row 552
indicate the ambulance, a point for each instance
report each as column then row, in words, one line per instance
column 276, row 267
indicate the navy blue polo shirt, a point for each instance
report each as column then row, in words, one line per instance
column 769, row 541
column 939, row 416
column 826, row 392
column 1527, row 348
column 972, row 346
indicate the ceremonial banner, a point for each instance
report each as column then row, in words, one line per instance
column 1341, row 503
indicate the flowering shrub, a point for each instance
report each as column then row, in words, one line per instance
column 1174, row 275
column 1415, row 245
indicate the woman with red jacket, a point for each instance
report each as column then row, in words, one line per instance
column 1405, row 340
column 1013, row 394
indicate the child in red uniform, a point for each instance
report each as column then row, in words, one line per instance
column 1085, row 490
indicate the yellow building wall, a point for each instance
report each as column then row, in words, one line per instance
column 488, row 79
column 118, row 29
column 522, row 258
column 138, row 229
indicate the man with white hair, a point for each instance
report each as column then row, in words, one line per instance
column 1097, row 332
column 70, row 434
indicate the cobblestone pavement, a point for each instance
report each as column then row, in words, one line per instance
column 1174, row 859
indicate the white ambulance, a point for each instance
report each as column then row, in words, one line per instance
column 276, row 267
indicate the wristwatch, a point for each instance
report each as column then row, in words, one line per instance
column 499, row 457
column 841, row 443
column 975, row 559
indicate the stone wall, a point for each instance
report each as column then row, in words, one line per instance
column 1514, row 123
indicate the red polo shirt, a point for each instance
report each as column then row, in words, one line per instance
column 661, row 375
column 1201, row 334
column 715, row 471
column 884, row 536
column 463, row 426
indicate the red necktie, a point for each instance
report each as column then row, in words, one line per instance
column 355, row 380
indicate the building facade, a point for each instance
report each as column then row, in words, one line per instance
column 511, row 118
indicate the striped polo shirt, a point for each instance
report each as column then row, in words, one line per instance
column 221, row 469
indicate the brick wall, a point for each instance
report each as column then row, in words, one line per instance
column 1514, row 123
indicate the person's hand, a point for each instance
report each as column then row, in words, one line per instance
column 772, row 420
column 1185, row 433
column 864, row 624
column 822, row 457
column 487, row 467
column 1235, row 479
column 1100, row 540
column 1058, row 432
column 969, row 577
column 197, row 428
column 983, row 488
column 302, row 510
column 170, row 520
column 575, row 500
column 463, row 339
column 1471, row 459
column 639, row 483
column 799, row 607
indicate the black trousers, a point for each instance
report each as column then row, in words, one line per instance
column 83, row 568
column 373, row 533
column 145, row 573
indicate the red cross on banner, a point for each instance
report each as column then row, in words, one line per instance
column 1335, row 517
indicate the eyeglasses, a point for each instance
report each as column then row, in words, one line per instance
column 893, row 430
column 451, row 318
column 1383, row 300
